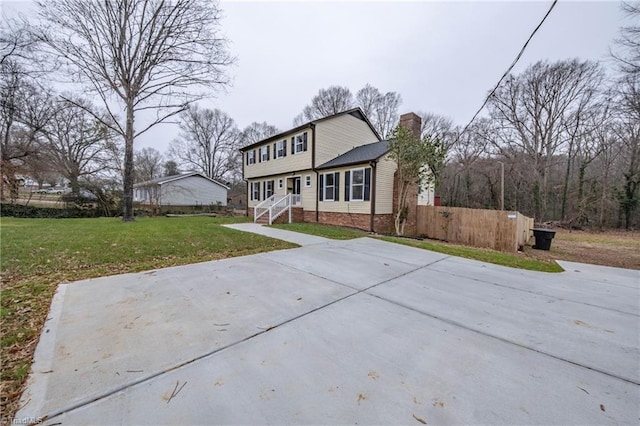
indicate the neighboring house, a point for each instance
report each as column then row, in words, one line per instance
column 184, row 190
column 336, row 169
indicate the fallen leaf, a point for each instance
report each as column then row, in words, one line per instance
column 419, row 419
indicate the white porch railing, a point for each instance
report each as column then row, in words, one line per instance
column 274, row 206
column 296, row 200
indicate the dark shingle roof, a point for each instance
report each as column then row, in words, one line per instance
column 359, row 154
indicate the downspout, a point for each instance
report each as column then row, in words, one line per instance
column 313, row 167
column 373, row 195
column 244, row 164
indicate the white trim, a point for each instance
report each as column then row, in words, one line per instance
column 333, row 187
column 279, row 145
column 351, row 184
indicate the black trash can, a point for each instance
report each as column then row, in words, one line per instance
column 543, row 238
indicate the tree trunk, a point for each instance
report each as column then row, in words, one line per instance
column 127, row 205
column 565, row 187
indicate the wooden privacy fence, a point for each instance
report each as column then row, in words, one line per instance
column 494, row 229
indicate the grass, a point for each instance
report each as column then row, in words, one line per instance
column 327, row 231
column 484, row 255
column 38, row 254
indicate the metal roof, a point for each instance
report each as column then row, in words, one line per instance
column 165, row 179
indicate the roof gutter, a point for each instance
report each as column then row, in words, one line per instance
column 373, row 164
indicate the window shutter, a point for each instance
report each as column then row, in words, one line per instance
column 347, row 185
column 268, row 156
column 304, row 143
column 367, row 183
column 260, row 155
column 293, row 145
column 247, row 159
column 258, row 188
column 254, row 156
column 284, row 147
column 264, row 189
column 336, row 186
column 274, row 150
column 321, row 187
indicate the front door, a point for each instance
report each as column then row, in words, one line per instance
column 295, row 191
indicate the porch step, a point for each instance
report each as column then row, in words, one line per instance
column 264, row 219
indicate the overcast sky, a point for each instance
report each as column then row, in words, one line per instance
column 441, row 56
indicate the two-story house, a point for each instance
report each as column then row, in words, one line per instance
column 336, row 169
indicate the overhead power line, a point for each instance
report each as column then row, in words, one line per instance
column 515, row 61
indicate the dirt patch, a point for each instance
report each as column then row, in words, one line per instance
column 610, row 248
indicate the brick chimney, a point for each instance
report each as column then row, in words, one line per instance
column 412, row 122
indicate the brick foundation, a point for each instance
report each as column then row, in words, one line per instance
column 382, row 222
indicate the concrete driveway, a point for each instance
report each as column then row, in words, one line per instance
column 336, row 332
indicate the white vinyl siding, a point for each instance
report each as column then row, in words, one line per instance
column 191, row 191
column 285, row 165
column 385, row 172
column 307, row 193
column 339, row 135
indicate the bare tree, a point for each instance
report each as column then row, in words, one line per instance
column 256, row 132
column 145, row 54
column 327, row 102
column 207, row 142
column 439, row 127
column 24, row 112
column 532, row 109
column 381, row 109
column 367, row 99
column 148, row 163
column 170, row 168
column 628, row 54
column 628, row 130
column 74, row 142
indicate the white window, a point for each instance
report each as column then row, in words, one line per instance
column 307, row 181
column 329, row 186
column 268, row 189
column 280, row 183
column 281, row 149
column 357, row 185
column 264, row 153
column 255, row 191
column 300, row 143
column 251, row 157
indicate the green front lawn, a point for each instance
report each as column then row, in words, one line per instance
column 512, row 260
column 327, row 231
column 490, row 256
column 38, row 254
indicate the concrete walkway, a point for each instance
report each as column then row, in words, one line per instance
column 360, row 331
column 280, row 234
